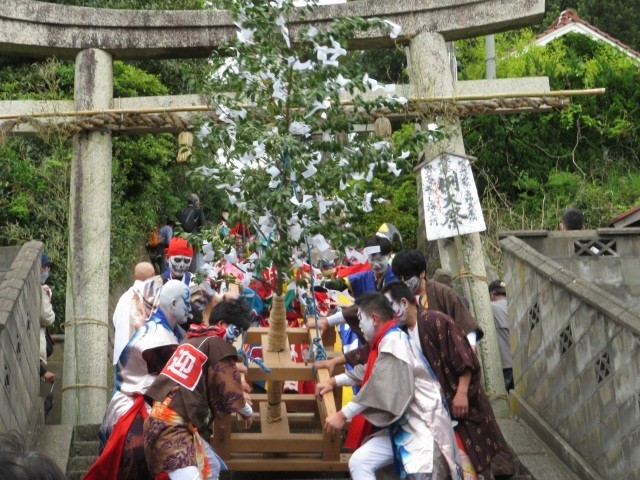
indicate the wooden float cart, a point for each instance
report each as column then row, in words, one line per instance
column 298, row 441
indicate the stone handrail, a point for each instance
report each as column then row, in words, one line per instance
column 21, row 406
column 576, row 353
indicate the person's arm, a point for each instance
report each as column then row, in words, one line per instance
column 460, row 403
column 331, row 364
column 225, row 393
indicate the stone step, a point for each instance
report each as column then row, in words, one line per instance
column 75, row 475
column 84, row 448
column 85, row 432
column 80, row 464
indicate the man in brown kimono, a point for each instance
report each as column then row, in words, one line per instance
column 410, row 266
column 446, row 347
column 200, row 377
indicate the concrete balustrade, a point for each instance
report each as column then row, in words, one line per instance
column 575, row 339
column 21, row 406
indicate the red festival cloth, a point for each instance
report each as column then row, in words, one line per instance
column 360, row 427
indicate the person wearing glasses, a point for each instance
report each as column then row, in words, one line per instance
column 179, row 257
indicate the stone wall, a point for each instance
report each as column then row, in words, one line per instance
column 21, row 406
column 576, row 349
column 607, row 257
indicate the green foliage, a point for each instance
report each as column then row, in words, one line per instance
column 147, row 184
column 532, row 167
column 282, row 116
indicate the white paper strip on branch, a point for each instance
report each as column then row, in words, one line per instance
column 450, row 198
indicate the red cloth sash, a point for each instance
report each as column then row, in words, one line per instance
column 360, row 427
column 107, row 465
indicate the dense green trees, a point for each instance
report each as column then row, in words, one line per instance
column 531, row 167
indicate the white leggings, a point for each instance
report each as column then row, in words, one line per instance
column 374, row 455
column 192, row 473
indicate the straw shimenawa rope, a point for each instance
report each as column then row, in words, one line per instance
column 182, row 118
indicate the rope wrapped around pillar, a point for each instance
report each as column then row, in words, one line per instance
column 274, row 397
column 277, row 338
column 276, row 342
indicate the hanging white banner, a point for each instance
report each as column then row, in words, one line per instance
column 450, row 198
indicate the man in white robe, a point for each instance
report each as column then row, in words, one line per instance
column 399, row 391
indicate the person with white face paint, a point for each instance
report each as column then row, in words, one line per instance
column 399, row 391
column 140, row 362
column 179, row 257
column 183, row 400
column 410, row 266
column 457, row 368
column 378, row 250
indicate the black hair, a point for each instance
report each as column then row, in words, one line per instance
column 573, row 219
column 375, row 302
column 408, row 263
column 19, row 463
column 379, row 241
column 236, row 312
column 398, row 291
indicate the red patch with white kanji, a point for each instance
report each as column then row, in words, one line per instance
column 185, row 366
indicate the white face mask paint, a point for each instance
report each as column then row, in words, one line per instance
column 400, row 312
column 232, row 333
column 44, row 274
column 412, row 282
column 183, row 308
column 179, row 265
column 366, row 325
column 379, row 263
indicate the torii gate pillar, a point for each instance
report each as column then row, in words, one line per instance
column 430, row 73
column 84, row 392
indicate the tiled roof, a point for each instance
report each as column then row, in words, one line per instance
column 569, row 16
column 625, row 219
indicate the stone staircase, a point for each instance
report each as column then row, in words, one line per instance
column 534, row 461
column 83, row 451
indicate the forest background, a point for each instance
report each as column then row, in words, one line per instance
column 530, row 167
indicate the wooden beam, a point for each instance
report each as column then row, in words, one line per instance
column 292, row 462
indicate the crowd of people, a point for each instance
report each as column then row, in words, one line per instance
column 410, row 352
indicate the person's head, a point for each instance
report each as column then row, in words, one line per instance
column 401, row 298
column 234, row 315
column 378, row 251
column 572, row 219
column 410, row 267
column 143, row 271
column 374, row 310
column 497, row 290
column 45, row 267
column 175, row 302
column 19, row 463
column 179, row 254
column 193, row 199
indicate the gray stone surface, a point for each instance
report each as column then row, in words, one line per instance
column 20, row 293
column 36, row 28
column 583, row 393
column 532, row 453
column 56, row 442
column 84, row 398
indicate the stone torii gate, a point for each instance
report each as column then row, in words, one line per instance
column 95, row 37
